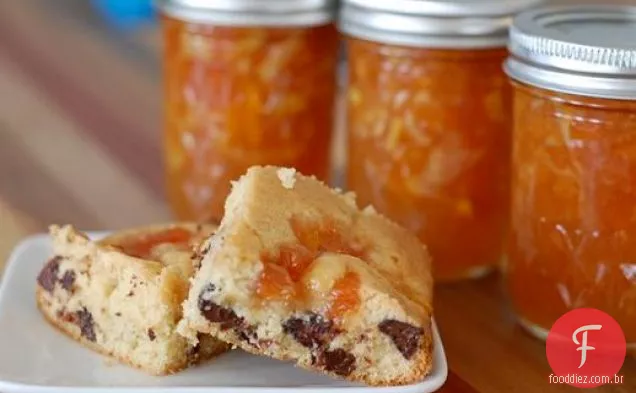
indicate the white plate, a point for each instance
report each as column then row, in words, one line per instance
column 36, row 358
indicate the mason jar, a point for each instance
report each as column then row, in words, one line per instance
column 572, row 240
column 428, row 122
column 246, row 82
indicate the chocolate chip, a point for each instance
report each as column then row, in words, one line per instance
column 69, row 317
column 215, row 313
column 248, row 334
column 310, row 331
column 130, row 293
column 151, row 335
column 225, row 316
column 118, row 314
column 337, row 361
column 48, row 276
column 66, row 316
column 86, row 324
column 68, row 279
column 405, row 336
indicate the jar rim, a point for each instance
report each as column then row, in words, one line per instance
column 270, row 13
column 457, row 24
column 584, row 50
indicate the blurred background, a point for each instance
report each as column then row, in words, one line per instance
column 80, row 103
column 80, row 116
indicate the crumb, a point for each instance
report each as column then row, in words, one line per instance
column 350, row 198
column 287, row 177
column 369, row 210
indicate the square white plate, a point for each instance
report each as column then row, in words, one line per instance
column 34, row 357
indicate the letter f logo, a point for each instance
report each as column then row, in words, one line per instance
column 583, row 344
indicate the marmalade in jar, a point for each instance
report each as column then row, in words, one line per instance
column 429, row 146
column 241, row 96
column 572, row 240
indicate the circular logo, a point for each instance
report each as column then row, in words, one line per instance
column 585, row 348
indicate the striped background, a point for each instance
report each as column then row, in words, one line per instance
column 80, row 142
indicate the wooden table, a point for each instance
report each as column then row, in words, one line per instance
column 80, row 141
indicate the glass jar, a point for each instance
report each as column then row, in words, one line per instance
column 428, row 124
column 246, row 83
column 572, row 240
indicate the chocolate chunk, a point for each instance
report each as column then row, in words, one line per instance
column 310, row 331
column 86, row 324
column 337, row 361
column 48, row 276
column 130, row 293
column 66, row 316
column 247, row 333
column 118, row 314
column 151, row 335
column 69, row 317
column 405, row 336
column 215, row 313
column 68, row 279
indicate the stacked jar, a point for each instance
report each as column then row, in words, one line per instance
column 246, row 83
column 572, row 241
column 429, row 122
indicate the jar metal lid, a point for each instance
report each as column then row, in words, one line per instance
column 585, row 50
column 432, row 23
column 275, row 13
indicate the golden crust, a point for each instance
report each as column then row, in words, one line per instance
column 394, row 272
column 422, row 363
column 71, row 330
column 103, row 265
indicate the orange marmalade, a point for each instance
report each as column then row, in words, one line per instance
column 572, row 239
column 284, row 268
column 429, row 146
column 142, row 246
column 573, row 235
column 236, row 96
